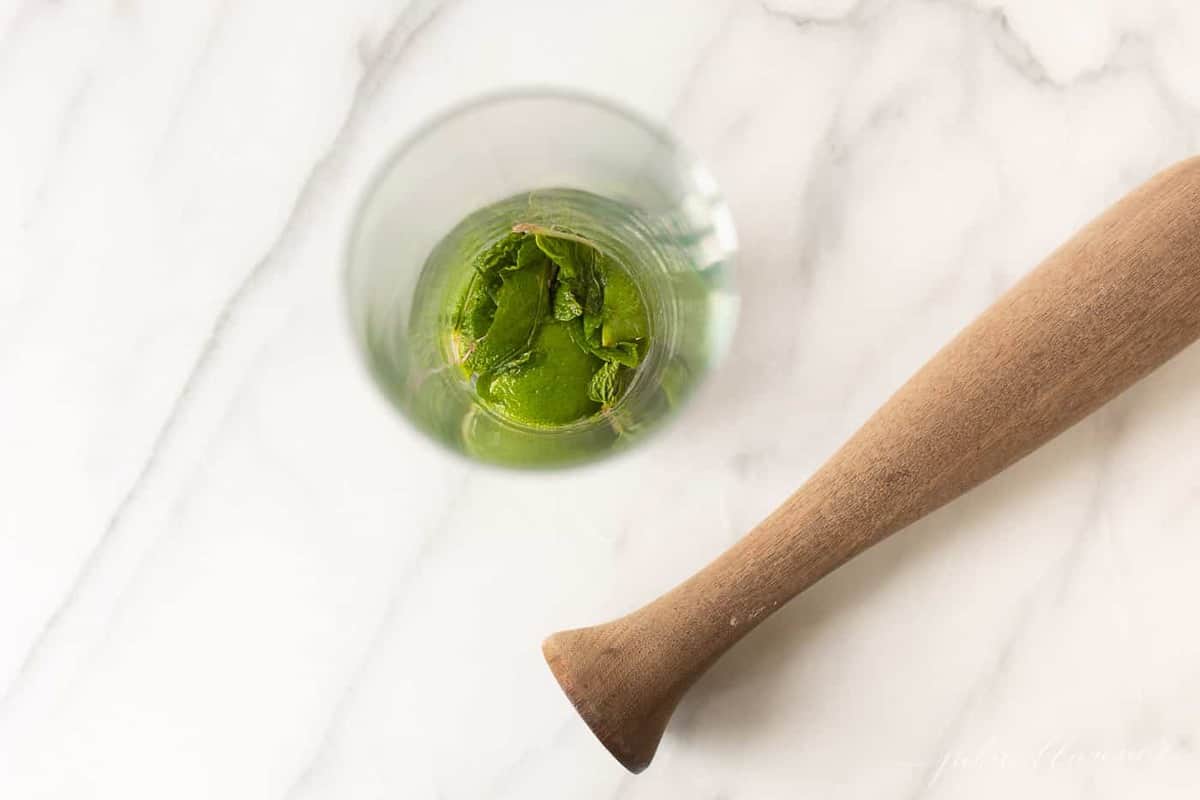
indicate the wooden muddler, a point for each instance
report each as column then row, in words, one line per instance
column 1106, row 308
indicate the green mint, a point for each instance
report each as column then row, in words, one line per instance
column 521, row 302
column 502, row 252
column 623, row 317
column 566, row 307
column 550, row 327
column 571, row 257
column 604, row 387
column 624, row 353
column 528, row 254
column 478, row 308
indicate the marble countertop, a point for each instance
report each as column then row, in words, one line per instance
column 227, row 570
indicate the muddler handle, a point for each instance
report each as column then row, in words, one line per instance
column 1106, row 308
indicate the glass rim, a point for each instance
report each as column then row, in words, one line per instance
column 496, row 97
column 428, row 128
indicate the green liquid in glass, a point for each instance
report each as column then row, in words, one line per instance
column 520, row 363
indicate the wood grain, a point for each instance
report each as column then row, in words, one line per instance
column 1116, row 301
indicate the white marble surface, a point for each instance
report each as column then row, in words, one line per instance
column 228, row 571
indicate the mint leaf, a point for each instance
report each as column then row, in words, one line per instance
column 566, row 307
column 562, row 252
column 528, row 254
column 592, row 292
column 478, row 309
column 591, row 329
column 625, row 353
column 520, row 306
column 605, row 386
column 575, row 257
column 501, row 253
column 525, row 359
column 623, row 316
column 593, row 289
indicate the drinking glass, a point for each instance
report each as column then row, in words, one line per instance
column 549, row 158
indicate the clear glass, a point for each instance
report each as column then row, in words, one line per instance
column 548, row 158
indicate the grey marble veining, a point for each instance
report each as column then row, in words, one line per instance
column 227, row 570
